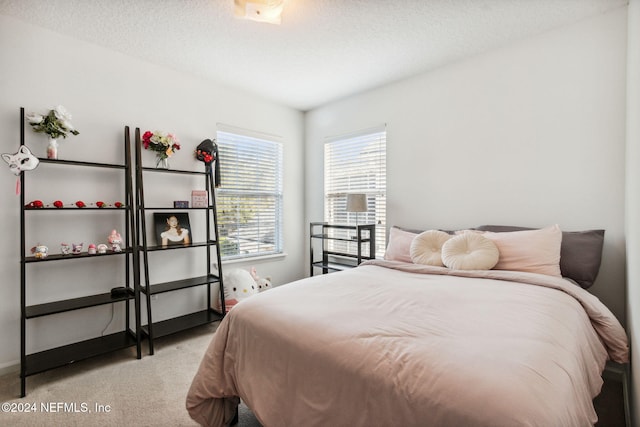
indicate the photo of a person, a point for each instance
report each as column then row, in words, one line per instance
column 172, row 229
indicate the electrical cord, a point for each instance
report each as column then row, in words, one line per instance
column 110, row 320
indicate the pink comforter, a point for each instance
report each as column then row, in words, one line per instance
column 390, row 343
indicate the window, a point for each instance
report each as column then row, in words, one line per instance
column 249, row 202
column 356, row 163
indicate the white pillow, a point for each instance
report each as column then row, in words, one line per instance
column 470, row 251
column 535, row 251
column 426, row 247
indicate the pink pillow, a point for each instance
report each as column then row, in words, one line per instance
column 534, row 251
column 399, row 246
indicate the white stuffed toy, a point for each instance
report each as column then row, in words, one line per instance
column 262, row 284
column 238, row 285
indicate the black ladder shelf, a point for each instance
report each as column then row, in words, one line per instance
column 153, row 330
column 38, row 362
column 346, row 235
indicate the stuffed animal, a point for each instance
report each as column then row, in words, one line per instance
column 262, row 284
column 238, row 285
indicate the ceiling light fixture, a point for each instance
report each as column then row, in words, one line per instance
column 269, row 11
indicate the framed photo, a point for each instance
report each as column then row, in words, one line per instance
column 172, row 228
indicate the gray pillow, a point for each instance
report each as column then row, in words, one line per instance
column 580, row 252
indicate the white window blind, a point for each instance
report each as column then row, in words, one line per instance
column 249, row 202
column 356, row 163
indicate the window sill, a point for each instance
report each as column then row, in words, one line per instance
column 253, row 258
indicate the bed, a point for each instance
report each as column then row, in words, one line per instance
column 393, row 342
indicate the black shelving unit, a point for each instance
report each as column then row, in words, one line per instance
column 153, row 330
column 34, row 363
column 346, row 236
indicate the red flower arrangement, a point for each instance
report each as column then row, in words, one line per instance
column 80, row 204
column 58, row 204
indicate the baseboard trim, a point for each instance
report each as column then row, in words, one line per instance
column 10, row 368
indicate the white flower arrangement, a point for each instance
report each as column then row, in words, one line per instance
column 164, row 144
column 56, row 124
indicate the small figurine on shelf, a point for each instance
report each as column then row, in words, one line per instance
column 91, row 250
column 115, row 240
column 77, row 248
column 40, row 251
column 102, row 248
column 65, row 249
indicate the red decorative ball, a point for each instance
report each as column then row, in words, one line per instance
column 80, row 204
column 35, row 204
column 118, row 205
column 58, row 204
column 100, row 204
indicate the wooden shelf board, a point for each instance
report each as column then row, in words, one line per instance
column 333, row 265
column 61, row 306
column 347, row 256
column 180, row 171
column 80, row 163
column 175, row 209
column 65, row 355
column 76, row 209
column 343, row 226
column 182, row 323
column 59, row 257
column 343, row 239
column 175, row 285
column 169, row 247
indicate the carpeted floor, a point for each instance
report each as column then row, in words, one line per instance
column 146, row 392
column 120, row 390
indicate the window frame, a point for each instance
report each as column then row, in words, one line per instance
column 234, row 141
column 343, row 176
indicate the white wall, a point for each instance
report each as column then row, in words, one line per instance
column 633, row 199
column 530, row 134
column 105, row 91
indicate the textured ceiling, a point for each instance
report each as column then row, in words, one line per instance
column 323, row 50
